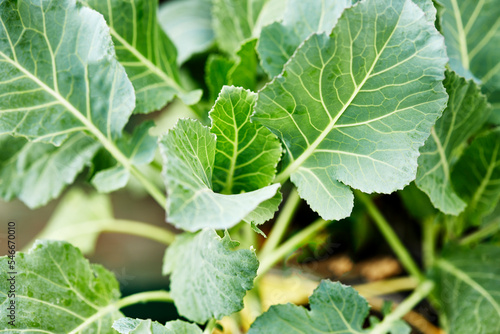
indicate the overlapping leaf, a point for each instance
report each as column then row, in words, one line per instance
column 38, row 172
column 58, row 291
column 147, row 54
column 208, row 278
column 476, row 176
column 467, row 288
column 465, row 114
column 189, row 155
column 472, row 33
column 279, row 40
column 353, row 108
column 334, row 308
column 189, row 24
column 138, row 326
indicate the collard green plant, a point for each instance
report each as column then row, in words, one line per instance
column 325, row 101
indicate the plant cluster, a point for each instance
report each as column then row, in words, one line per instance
column 325, row 101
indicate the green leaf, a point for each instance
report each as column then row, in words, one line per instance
column 71, row 83
column 465, row 114
column 467, row 288
column 472, row 34
column 39, row 172
column 145, row 51
column 334, row 308
column 58, row 291
column 189, row 24
column 139, row 326
column 241, row 71
column 279, row 40
column 208, row 278
column 139, row 148
column 234, row 21
column 189, row 153
column 353, row 108
column 70, row 220
column 476, row 176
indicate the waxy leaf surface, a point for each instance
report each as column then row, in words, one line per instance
column 208, row 278
column 58, row 291
column 148, row 55
column 353, row 108
column 465, row 114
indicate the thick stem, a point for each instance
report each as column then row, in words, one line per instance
column 210, row 326
column 150, row 187
column 429, row 232
column 282, row 223
column 290, row 245
column 391, row 237
column 482, row 233
column 406, row 306
column 142, row 297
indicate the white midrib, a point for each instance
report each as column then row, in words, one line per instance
column 229, row 182
column 442, row 155
column 461, row 35
column 285, row 174
column 117, row 154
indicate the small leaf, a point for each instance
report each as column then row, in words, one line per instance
column 139, row 326
column 146, row 52
column 189, row 24
column 353, row 108
column 467, row 288
column 189, row 153
column 208, row 278
column 465, row 114
column 39, row 172
column 278, row 41
column 476, row 176
column 58, row 291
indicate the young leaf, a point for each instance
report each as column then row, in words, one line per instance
column 58, row 291
column 189, row 24
column 278, row 40
column 189, row 153
column 209, row 279
column 241, row 71
column 139, row 148
column 237, row 20
column 353, row 108
column 467, row 288
column 476, row 176
column 472, row 34
column 147, row 54
column 38, row 172
column 335, row 308
column 465, row 114
column 70, row 219
column 139, row 326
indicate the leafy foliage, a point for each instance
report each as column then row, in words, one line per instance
column 209, row 279
column 138, row 326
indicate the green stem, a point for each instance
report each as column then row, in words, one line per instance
column 482, row 233
column 290, row 245
column 150, row 187
column 429, row 232
column 142, row 297
column 391, row 237
column 210, row 326
column 406, row 306
column 282, row 223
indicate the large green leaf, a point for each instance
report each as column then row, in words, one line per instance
column 279, row 40
column 476, row 176
column 58, row 291
column 189, row 24
column 189, row 153
column 334, row 309
column 234, row 21
column 59, row 73
column 465, row 114
column 467, row 288
column 138, row 326
column 208, row 278
column 353, row 108
column 38, row 172
column 145, row 51
column 472, row 32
